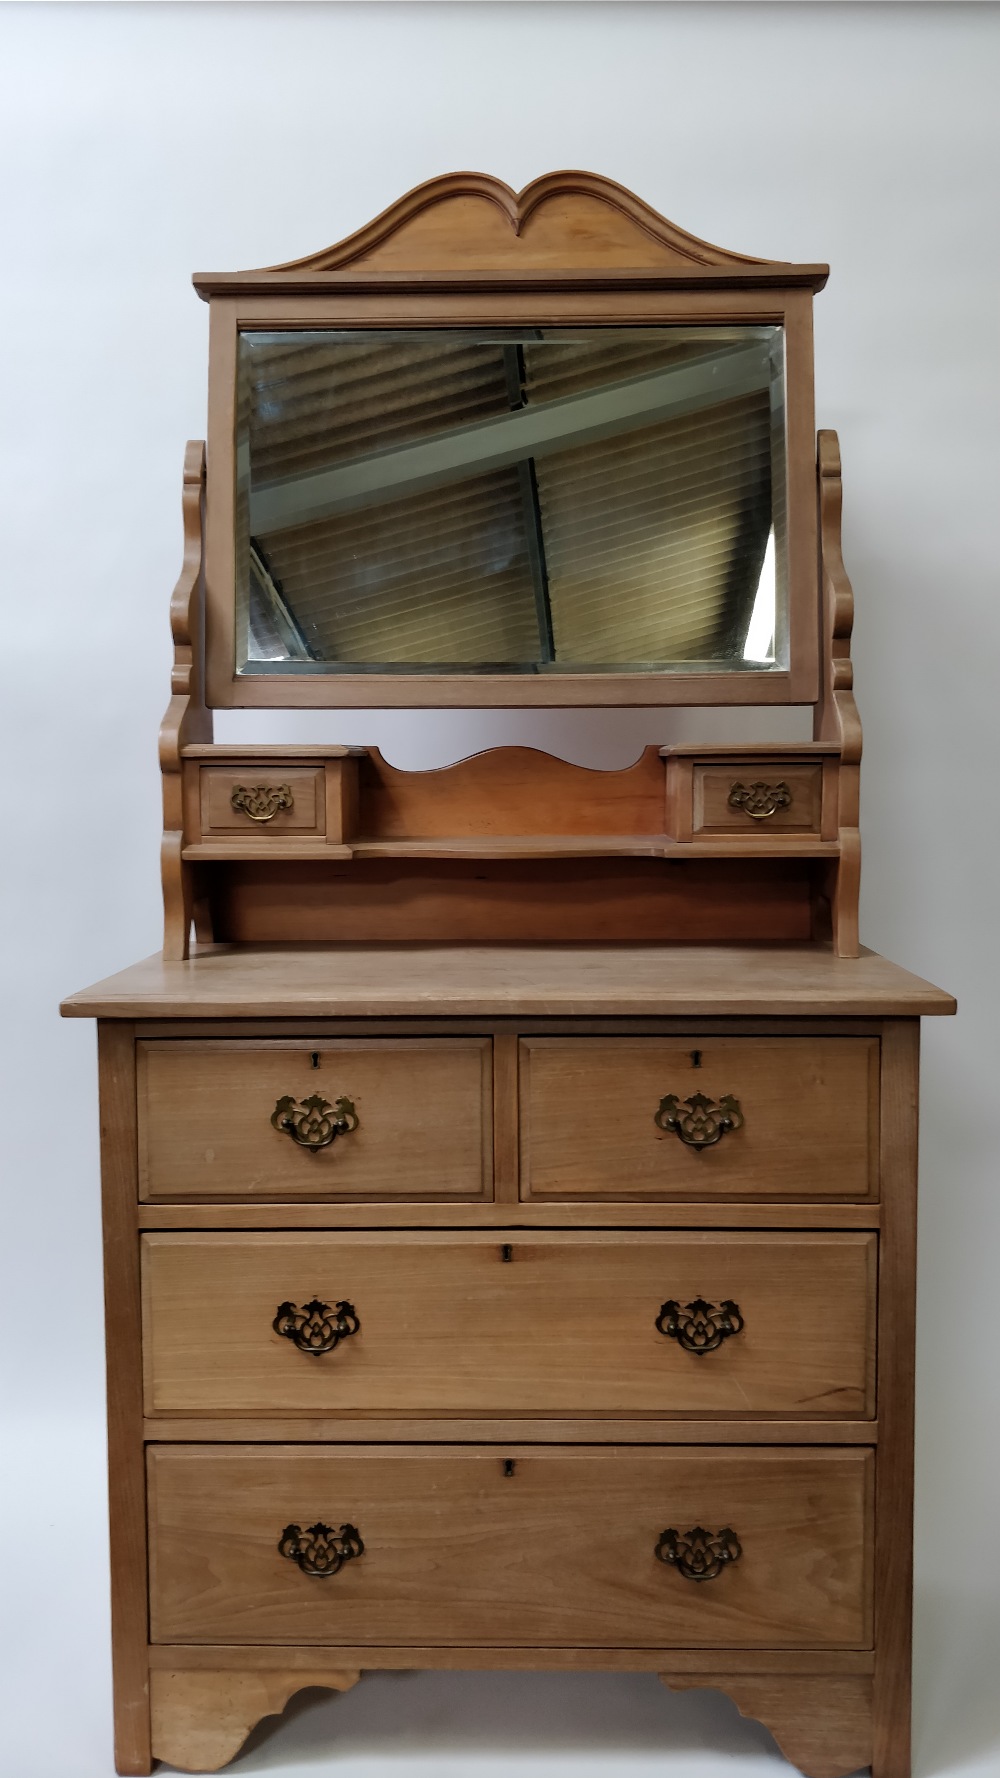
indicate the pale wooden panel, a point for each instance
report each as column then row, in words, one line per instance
column 566, row 1324
column 552, row 981
column 219, row 1657
column 424, row 1107
column 713, row 784
column 822, row 1725
column 307, row 813
column 560, row 1551
column 201, row 1719
column 511, row 790
column 810, row 1107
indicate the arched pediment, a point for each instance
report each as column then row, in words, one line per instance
column 568, row 223
column 470, row 221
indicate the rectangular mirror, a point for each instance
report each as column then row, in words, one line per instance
column 537, row 501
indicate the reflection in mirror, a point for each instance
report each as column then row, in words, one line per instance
column 545, row 501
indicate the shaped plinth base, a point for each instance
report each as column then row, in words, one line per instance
column 823, row 1726
column 200, row 1719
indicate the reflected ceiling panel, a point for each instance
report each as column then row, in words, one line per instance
column 541, row 502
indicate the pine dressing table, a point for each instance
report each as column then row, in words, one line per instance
column 510, row 1170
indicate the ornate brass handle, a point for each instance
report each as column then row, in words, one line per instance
column 701, row 1122
column 314, row 1123
column 316, row 1328
column 320, row 1550
column 698, row 1326
column 760, row 800
column 261, row 801
column 698, row 1554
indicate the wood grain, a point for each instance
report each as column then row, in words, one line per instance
column 123, row 1336
column 897, row 1330
column 582, row 899
column 187, row 718
column 259, row 1658
column 592, row 981
column 424, row 1109
column 201, row 1718
column 836, row 715
column 565, row 1325
column 559, row 1551
column 713, row 812
column 810, row 1110
column 470, row 220
column 822, row 1725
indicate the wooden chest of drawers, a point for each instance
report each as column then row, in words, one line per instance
column 511, row 1314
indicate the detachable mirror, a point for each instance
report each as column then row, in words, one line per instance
column 529, row 501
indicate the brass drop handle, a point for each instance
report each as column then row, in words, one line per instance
column 698, row 1326
column 698, row 1554
column 700, row 1122
column 314, row 1123
column 320, row 1550
column 261, row 802
column 760, row 800
column 316, row 1328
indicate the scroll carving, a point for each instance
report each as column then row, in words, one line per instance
column 822, row 1725
column 201, row 1717
column 836, row 717
column 187, row 718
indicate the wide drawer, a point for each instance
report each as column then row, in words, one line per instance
column 346, row 1118
column 647, row 1117
column 478, row 1546
column 574, row 1322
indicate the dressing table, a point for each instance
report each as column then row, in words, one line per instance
column 509, row 1170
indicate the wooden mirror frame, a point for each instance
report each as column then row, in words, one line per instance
column 464, row 250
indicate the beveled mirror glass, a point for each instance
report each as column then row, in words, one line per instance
column 536, row 501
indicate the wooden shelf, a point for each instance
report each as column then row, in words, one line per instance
column 512, row 846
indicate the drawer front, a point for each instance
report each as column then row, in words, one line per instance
column 759, row 797
column 562, row 1551
column 262, row 800
column 384, row 1118
column 664, row 1323
column 634, row 1118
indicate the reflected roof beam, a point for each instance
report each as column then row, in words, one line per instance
column 531, row 431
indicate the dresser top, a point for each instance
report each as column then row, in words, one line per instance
column 530, row 981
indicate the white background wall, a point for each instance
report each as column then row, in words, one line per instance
column 139, row 143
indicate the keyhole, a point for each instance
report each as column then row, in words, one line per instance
column 314, row 1058
column 696, row 1058
column 506, row 1253
column 508, row 1466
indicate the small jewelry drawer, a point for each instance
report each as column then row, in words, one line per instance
column 699, row 1118
column 261, row 800
column 511, row 1322
column 344, row 1118
column 763, row 797
column 624, row 1547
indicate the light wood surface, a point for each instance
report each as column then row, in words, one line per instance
column 563, row 1324
column 357, row 981
column 260, row 1658
column 809, row 1108
column 824, row 1726
column 423, row 1105
column 123, row 1340
column 897, row 1336
column 714, row 813
column 202, row 1718
column 535, row 1429
column 559, row 1551
column 187, row 719
column 306, row 813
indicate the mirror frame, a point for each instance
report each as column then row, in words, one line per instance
column 464, row 250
